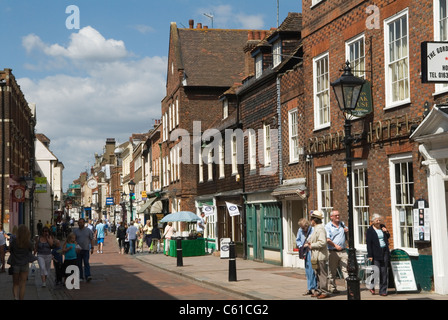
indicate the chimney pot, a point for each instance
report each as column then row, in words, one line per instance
column 191, row 22
column 199, row 25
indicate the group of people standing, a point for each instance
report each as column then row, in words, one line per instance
column 325, row 252
column 131, row 239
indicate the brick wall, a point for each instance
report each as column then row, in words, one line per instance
column 343, row 20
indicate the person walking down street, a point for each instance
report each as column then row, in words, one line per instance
column 200, row 225
column 100, row 232
column 147, row 231
column 305, row 231
column 121, row 237
column 132, row 236
column 337, row 253
column 155, row 236
column 378, row 252
column 317, row 243
column 167, row 234
column 20, row 257
column 69, row 251
column 39, row 227
column 44, row 257
column 56, row 253
column 84, row 238
column 3, row 237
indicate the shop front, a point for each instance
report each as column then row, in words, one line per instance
column 432, row 136
column 264, row 228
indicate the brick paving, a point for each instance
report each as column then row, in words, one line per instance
column 157, row 277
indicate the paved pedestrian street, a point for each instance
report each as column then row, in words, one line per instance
column 200, row 282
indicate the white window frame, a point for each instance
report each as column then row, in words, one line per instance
column 387, row 65
column 325, row 204
column 397, row 216
column 225, row 109
column 438, row 36
column 267, row 145
column 210, row 164
column 357, row 62
column 320, row 112
column 258, row 66
column 222, row 172
column 360, row 202
column 252, row 152
column 201, row 168
column 276, row 53
column 234, row 148
column 293, row 120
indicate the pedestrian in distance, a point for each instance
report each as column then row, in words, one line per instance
column 147, row 231
column 305, row 231
column 58, row 261
column 84, row 238
column 20, row 257
column 139, row 242
column 377, row 240
column 155, row 236
column 39, row 227
column 121, row 237
column 132, row 237
column 100, row 233
column 3, row 237
column 317, row 243
column 337, row 253
column 43, row 247
column 167, row 234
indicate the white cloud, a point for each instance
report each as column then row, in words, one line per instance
column 114, row 97
column 86, row 45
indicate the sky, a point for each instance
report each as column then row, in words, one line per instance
column 96, row 69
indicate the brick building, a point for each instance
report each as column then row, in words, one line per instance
column 267, row 100
column 381, row 40
column 18, row 121
column 202, row 64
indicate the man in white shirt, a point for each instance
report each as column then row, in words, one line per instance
column 132, row 236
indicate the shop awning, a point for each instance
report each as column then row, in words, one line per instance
column 298, row 190
column 147, row 204
column 157, row 207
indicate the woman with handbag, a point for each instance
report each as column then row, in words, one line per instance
column 305, row 230
column 377, row 240
column 317, row 243
column 20, row 257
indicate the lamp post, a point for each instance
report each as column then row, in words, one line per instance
column 131, row 185
column 347, row 90
column 30, row 184
column 123, row 207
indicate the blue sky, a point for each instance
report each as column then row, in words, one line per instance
column 107, row 78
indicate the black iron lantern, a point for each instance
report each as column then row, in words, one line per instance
column 347, row 90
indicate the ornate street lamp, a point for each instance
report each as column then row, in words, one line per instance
column 30, row 184
column 347, row 90
column 131, row 185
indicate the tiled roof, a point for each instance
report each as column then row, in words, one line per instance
column 212, row 57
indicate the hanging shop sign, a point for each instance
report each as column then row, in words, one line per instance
column 421, row 221
column 434, row 62
column 18, row 194
column 41, row 185
column 364, row 106
column 403, row 272
column 110, row 201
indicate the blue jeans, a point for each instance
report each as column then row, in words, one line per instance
column 310, row 274
column 132, row 246
column 83, row 257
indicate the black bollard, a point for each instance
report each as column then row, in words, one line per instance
column 232, row 262
column 179, row 253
